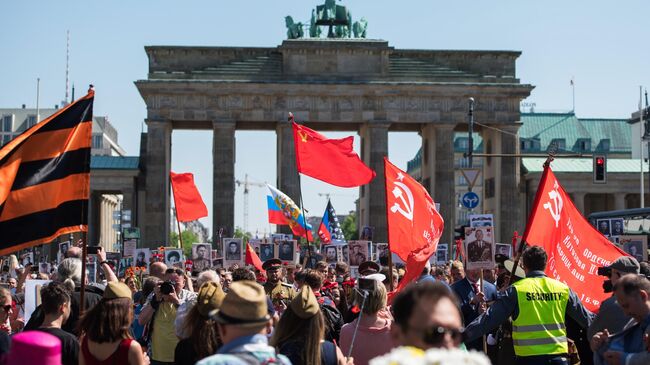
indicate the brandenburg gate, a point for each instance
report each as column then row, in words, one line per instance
column 361, row 86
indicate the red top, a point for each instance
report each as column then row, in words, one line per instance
column 120, row 356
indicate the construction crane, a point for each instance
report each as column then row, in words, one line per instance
column 246, row 184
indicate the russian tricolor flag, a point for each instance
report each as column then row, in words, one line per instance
column 283, row 211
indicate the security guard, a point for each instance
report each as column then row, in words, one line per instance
column 538, row 306
column 280, row 292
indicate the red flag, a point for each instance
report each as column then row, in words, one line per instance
column 575, row 249
column 252, row 258
column 330, row 160
column 189, row 205
column 414, row 225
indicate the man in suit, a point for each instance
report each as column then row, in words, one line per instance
column 479, row 250
column 628, row 346
column 473, row 297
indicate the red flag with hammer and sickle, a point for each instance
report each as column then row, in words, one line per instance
column 414, row 224
column 574, row 247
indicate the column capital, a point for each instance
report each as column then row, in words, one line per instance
column 158, row 122
column 441, row 126
column 223, row 124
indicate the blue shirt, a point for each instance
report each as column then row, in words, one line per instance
column 255, row 346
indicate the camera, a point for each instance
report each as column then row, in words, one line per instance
column 368, row 285
column 605, row 271
column 607, row 286
column 167, row 287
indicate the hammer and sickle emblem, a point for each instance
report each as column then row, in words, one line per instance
column 556, row 208
column 303, row 136
column 407, row 209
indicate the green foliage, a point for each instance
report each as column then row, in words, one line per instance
column 189, row 238
column 349, row 227
column 239, row 233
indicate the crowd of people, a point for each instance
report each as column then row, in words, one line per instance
column 288, row 314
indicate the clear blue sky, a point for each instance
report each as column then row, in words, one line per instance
column 601, row 44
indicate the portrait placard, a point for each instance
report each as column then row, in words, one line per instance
column 635, row 245
column 201, row 256
column 442, row 253
column 286, row 250
column 330, row 253
column 143, row 258
column 504, row 249
column 359, row 252
column 174, row 257
column 479, row 246
column 232, row 248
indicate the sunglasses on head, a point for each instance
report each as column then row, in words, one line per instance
column 436, row 334
column 174, row 271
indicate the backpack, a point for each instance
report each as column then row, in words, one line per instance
column 333, row 322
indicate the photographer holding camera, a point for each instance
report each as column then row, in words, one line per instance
column 611, row 317
column 160, row 313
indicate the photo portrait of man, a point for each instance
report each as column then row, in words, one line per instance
column 503, row 249
column 635, row 249
column 603, row 226
column 441, row 254
column 286, row 251
column 479, row 249
column 345, row 253
column 266, row 251
column 233, row 251
column 141, row 259
column 173, row 258
column 359, row 253
column 201, row 257
column 330, row 253
column 617, row 227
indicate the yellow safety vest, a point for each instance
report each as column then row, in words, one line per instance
column 539, row 329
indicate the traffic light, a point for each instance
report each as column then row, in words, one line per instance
column 600, row 169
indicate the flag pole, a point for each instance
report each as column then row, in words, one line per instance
column 302, row 208
column 180, row 238
column 84, row 234
column 522, row 243
column 390, row 253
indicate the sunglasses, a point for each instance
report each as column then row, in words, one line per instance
column 435, row 335
column 7, row 307
column 174, row 271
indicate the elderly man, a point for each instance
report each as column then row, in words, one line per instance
column 628, row 346
column 162, row 307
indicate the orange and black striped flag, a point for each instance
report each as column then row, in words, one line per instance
column 45, row 179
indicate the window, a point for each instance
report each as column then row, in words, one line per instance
column 6, row 138
column 463, row 143
column 560, row 143
column 7, row 123
column 603, row 145
column 98, row 141
column 31, row 121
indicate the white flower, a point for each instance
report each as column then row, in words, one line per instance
column 413, row 356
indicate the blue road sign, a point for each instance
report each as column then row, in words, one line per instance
column 470, row 200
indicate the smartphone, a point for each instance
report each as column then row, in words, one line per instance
column 92, row 250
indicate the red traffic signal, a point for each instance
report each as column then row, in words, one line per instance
column 600, row 169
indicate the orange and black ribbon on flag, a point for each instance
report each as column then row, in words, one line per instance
column 45, row 179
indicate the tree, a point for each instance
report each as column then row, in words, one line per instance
column 239, row 233
column 349, row 227
column 189, row 238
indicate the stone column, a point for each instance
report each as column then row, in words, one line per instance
column 372, row 197
column 579, row 201
column 619, row 201
column 288, row 180
column 158, row 164
column 223, row 180
column 507, row 179
column 438, row 172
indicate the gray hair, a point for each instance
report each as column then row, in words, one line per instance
column 207, row 276
column 69, row 272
